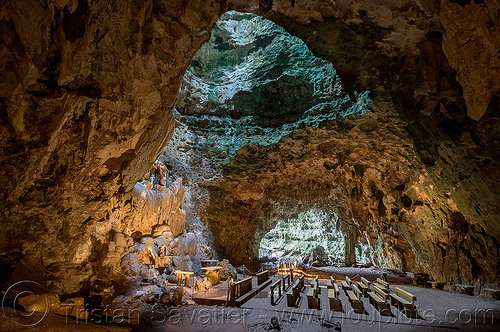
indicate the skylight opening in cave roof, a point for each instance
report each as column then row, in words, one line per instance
column 253, row 83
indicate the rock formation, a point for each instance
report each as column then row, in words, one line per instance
column 87, row 90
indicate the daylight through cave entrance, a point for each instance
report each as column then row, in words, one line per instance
column 251, row 85
column 314, row 237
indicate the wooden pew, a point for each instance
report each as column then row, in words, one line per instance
column 315, row 287
column 262, row 276
column 402, row 302
column 330, row 283
column 336, row 288
column 333, row 298
column 275, row 284
column 301, row 282
column 291, row 300
column 382, row 285
column 312, row 296
column 381, row 292
column 348, row 280
column 346, row 284
column 285, row 277
column 296, row 289
column 378, row 299
column 356, row 290
column 355, row 302
column 293, row 294
column 364, row 286
column 315, row 284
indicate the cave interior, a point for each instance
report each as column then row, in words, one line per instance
column 141, row 138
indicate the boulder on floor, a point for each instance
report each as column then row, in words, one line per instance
column 40, row 303
column 189, row 263
column 166, row 299
column 151, row 273
column 131, row 265
column 227, row 271
column 171, row 278
column 172, row 296
column 212, row 277
column 176, row 294
column 146, row 253
column 167, row 268
column 74, row 307
column 136, row 296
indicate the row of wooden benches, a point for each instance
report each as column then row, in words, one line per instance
column 293, row 294
column 379, row 296
column 312, row 294
column 285, row 282
column 378, row 293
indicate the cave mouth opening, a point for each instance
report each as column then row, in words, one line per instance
column 249, row 86
column 313, row 237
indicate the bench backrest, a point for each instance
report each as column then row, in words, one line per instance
column 332, row 294
column 352, row 296
column 365, row 281
column 276, row 283
column 383, row 283
column 380, row 292
column 336, row 288
column 356, row 290
column 263, row 273
column 262, row 276
column 405, row 293
column 242, row 287
column 363, row 285
column 348, row 280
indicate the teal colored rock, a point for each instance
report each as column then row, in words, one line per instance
column 253, row 83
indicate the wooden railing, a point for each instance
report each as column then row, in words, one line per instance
column 238, row 289
column 262, row 276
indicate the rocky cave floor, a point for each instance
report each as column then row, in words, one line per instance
column 148, row 310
